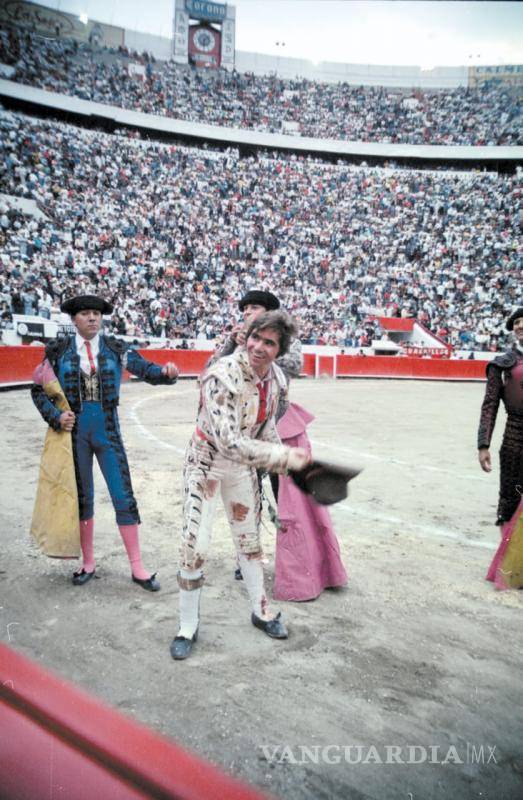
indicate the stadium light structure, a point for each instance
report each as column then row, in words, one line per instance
column 84, row 19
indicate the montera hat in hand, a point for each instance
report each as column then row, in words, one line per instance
column 258, row 298
column 86, row 302
column 326, row 482
column 513, row 317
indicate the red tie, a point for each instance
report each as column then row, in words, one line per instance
column 90, row 357
column 262, row 409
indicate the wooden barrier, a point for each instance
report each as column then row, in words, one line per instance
column 17, row 365
column 58, row 741
column 309, row 365
column 413, row 368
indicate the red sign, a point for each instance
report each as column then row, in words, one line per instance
column 204, row 46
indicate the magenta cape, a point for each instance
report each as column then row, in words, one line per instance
column 307, row 551
column 506, row 569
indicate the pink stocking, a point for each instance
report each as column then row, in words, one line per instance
column 86, row 543
column 129, row 534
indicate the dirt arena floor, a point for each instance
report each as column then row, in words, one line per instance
column 406, row 684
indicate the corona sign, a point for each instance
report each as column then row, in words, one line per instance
column 203, row 34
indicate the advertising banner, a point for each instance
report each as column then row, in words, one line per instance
column 206, row 10
column 228, row 28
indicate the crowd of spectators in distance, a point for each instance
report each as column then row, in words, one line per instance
column 175, row 235
column 490, row 115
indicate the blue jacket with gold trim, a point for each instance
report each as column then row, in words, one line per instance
column 114, row 356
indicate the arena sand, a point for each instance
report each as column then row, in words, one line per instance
column 406, row 684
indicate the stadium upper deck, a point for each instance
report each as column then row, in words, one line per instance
column 489, row 116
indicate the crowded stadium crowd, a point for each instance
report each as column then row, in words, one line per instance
column 174, row 235
column 463, row 116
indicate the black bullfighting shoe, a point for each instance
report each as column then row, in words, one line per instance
column 149, row 584
column 272, row 627
column 81, row 577
column 181, row 647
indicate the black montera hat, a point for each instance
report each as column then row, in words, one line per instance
column 85, row 302
column 513, row 317
column 258, row 298
column 327, row 483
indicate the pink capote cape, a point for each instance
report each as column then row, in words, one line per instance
column 506, row 569
column 307, row 550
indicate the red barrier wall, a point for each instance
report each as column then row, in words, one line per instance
column 59, row 742
column 309, row 364
column 421, row 368
column 17, row 365
column 325, row 366
column 189, row 362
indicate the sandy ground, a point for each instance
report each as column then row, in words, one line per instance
column 418, row 651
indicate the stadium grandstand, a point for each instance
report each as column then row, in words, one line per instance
column 486, row 115
column 356, row 202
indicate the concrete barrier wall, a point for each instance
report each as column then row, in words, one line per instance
column 235, row 137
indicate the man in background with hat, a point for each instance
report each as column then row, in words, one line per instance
column 255, row 301
column 89, row 367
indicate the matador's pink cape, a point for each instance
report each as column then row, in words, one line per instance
column 307, row 551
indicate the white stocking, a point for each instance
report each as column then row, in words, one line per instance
column 189, row 602
column 252, row 571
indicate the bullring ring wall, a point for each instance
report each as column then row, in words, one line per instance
column 18, row 363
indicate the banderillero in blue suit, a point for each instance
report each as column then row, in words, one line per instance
column 94, row 399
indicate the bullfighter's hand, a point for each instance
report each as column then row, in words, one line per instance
column 67, row 420
column 171, row 370
column 238, row 334
column 484, row 459
column 298, row 458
